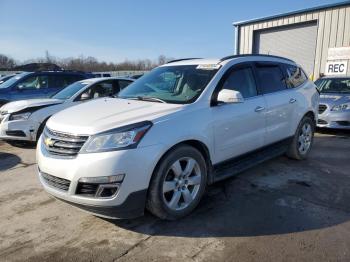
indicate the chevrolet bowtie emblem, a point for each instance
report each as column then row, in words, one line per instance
column 49, row 142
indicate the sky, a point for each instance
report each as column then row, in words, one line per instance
column 116, row 30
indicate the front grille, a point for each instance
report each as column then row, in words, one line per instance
column 63, row 144
column 87, row 189
column 322, row 108
column 59, row 183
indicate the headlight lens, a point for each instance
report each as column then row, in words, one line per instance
column 22, row 116
column 341, row 107
column 121, row 138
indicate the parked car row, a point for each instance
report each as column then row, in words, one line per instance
column 164, row 137
column 24, row 120
column 43, row 84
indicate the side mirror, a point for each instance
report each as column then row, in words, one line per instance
column 20, row 87
column 84, row 96
column 228, row 96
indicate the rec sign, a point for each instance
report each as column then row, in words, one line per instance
column 336, row 68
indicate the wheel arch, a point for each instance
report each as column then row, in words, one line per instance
column 312, row 115
column 41, row 126
column 197, row 144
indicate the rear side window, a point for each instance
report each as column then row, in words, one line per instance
column 124, row 83
column 295, row 76
column 241, row 80
column 271, row 78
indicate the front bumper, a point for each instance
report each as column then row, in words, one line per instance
column 334, row 119
column 129, row 201
column 23, row 130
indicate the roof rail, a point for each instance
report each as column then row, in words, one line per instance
column 182, row 59
column 62, row 70
column 245, row 55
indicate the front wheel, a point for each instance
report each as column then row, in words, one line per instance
column 178, row 183
column 302, row 140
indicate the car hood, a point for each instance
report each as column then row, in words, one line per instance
column 334, row 98
column 107, row 113
column 30, row 103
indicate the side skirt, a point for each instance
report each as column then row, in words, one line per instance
column 239, row 164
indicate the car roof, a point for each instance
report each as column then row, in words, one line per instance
column 98, row 79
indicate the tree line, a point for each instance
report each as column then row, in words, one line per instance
column 88, row 64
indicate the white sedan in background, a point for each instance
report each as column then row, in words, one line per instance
column 25, row 120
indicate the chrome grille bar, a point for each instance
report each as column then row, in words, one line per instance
column 63, row 144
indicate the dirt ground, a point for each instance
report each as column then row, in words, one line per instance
column 281, row 210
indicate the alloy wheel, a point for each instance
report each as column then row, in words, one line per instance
column 181, row 183
column 305, row 138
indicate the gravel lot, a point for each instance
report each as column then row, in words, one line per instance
column 280, row 210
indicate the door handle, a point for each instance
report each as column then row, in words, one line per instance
column 292, row 100
column 259, row 108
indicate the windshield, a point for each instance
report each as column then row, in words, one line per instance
column 171, row 84
column 333, row 85
column 70, row 90
column 12, row 80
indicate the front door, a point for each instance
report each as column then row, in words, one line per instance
column 239, row 127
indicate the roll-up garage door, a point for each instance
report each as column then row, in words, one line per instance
column 297, row 42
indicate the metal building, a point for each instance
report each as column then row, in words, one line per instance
column 317, row 38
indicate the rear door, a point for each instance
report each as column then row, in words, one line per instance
column 240, row 127
column 281, row 101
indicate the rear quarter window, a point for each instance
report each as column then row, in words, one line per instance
column 295, row 76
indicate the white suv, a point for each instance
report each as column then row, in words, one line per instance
column 171, row 133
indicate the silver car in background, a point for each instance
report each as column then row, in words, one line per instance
column 334, row 107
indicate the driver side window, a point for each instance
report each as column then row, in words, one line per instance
column 33, row 82
column 242, row 80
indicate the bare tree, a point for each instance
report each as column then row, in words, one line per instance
column 6, row 62
column 89, row 63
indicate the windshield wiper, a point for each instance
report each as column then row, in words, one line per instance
column 148, row 98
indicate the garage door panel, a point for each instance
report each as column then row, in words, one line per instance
column 297, row 42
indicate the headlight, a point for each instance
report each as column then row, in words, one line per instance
column 341, row 107
column 22, row 116
column 117, row 139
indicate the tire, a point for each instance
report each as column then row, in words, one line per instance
column 302, row 140
column 175, row 192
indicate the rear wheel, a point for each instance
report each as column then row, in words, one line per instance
column 302, row 140
column 178, row 183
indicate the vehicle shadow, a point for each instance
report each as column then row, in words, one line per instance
column 22, row 144
column 8, row 161
column 277, row 197
column 336, row 132
column 237, row 207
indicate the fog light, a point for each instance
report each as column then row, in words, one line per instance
column 107, row 190
column 102, row 179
